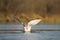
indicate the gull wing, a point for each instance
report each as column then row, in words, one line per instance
column 34, row 22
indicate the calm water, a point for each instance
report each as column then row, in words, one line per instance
column 38, row 35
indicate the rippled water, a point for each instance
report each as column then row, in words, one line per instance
column 38, row 35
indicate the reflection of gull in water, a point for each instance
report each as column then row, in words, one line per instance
column 29, row 25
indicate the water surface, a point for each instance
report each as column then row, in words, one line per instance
column 37, row 35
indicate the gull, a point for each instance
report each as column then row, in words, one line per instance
column 27, row 28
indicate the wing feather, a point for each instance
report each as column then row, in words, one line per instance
column 34, row 22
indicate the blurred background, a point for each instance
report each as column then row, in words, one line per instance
column 26, row 10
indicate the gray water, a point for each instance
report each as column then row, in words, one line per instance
column 38, row 35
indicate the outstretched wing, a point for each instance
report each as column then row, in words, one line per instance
column 34, row 22
column 18, row 20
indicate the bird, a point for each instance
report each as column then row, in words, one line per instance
column 27, row 28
